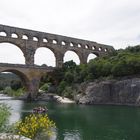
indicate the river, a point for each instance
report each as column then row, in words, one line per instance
column 80, row 122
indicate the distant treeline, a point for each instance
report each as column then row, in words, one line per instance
column 8, row 80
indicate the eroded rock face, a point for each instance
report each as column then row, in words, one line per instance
column 123, row 92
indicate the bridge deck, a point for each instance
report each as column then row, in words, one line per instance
column 26, row 66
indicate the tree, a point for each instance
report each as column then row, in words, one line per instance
column 16, row 85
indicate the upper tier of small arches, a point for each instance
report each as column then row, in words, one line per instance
column 17, row 33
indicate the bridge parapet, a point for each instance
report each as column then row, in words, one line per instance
column 27, row 66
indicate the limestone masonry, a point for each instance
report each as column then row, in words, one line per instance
column 28, row 41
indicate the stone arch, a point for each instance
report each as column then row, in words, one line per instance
column 45, row 55
column 92, row 56
column 21, row 75
column 72, row 55
column 11, row 49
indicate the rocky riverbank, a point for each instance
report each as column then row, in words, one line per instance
column 115, row 92
column 123, row 91
column 49, row 97
column 54, row 97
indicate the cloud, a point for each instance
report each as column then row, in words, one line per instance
column 110, row 22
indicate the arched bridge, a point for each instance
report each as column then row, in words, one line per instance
column 28, row 41
column 30, row 75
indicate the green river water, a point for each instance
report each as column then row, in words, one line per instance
column 80, row 122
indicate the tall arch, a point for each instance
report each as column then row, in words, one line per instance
column 71, row 55
column 10, row 53
column 44, row 56
column 91, row 56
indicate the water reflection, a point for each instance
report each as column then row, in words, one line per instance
column 72, row 135
column 78, row 122
column 15, row 106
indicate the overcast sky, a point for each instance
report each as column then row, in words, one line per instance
column 112, row 22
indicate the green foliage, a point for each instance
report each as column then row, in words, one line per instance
column 15, row 93
column 117, row 64
column 4, row 114
column 69, row 65
column 44, row 79
column 135, row 49
column 69, row 77
column 15, row 85
column 68, row 92
column 45, row 87
column 126, row 64
column 1, row 88
column 61, row 87
column 7, row 78
column 56, row 76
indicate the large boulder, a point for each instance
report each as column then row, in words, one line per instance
column 96, row 93
column 124, row 92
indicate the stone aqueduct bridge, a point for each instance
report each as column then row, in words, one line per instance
column 29, row 41
column 30, row 75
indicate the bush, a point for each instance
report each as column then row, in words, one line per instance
column 7, row 90
column 69, row 77
column 69, row 92
column 15, row 93
column 61, row 87
column 35, row 126
column 4, row 114
column 45, row 87
column 15, row 85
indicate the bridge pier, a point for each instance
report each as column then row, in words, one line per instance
column 30, row 75
column 33, row 88
column 59, row 60
column 29, row 56
column 83, row 58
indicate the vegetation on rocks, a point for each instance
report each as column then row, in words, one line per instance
column 120, row 63
column 117, row 64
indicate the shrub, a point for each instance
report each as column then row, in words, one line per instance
column 69, row 77
column 4, row 114
column 61, row 87
column 9, row 91
column 35, row 125
column 15, row 85
column 45, row 87
column 69, row 92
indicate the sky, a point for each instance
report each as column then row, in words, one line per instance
column 111, row 22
